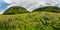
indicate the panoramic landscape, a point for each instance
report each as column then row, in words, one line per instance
column 20, row 19
column 41, row 18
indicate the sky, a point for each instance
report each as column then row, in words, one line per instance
column 30, row 5
column 3, row 6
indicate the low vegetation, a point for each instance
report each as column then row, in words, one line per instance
column 31, row 21
column 17, row 18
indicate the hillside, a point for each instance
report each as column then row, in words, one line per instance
column 31, row 21
column 21, row 10
column 48, row 9
column 15, row 10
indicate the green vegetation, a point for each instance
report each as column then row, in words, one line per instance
column 15, row 10
column 47, row 18
column 21, row 10
column 31, row 21
column 49, row 9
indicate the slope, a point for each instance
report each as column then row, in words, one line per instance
column 15, row 10
column 48, row 9
column 31, row 21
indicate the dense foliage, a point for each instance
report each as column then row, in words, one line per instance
column 49, row 9
column 15, row 10
column 31, row 21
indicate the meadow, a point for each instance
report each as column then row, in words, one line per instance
column 31, row 21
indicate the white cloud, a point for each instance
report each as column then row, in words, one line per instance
column 33, row 4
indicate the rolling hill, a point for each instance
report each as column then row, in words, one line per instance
column 48, row 9
column 36, row 20
column 15, row 10
column 21, row 10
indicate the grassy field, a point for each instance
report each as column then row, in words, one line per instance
column 31, row 21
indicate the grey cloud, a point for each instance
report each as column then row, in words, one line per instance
column 33, row 4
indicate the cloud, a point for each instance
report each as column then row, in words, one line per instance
column 33, row 4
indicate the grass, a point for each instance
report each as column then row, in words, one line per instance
column 31, row 21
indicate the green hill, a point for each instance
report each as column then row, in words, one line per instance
column 47, row 18
column 21, row 10
column 48, row 9
column 31, row 21
column 15, row 10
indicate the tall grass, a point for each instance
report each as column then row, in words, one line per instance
column 31, row 21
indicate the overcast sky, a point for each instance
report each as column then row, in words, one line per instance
column 28, row 4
